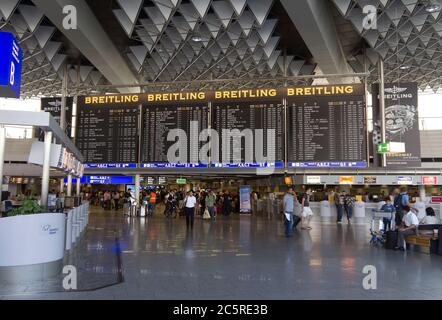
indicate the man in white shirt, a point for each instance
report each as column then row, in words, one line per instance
column 189, row 209
column 409, row 226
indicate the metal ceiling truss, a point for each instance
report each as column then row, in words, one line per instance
column 203, row 39
column 408, row 38
column 43, row 58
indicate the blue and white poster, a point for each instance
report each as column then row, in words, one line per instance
column 245, row 205
column 10, row 66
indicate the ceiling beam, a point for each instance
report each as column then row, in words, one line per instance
column 91, row 40
column 314, row 22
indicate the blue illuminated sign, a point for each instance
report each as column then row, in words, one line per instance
column 328, row 164
column 11, row 56
column 173, row 165
column 110, row 165
column 104, row 180
column 249, row 165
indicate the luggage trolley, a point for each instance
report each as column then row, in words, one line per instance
column 378, row 235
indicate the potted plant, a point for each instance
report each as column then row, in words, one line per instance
column 30, row 206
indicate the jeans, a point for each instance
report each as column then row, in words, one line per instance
column 151, row 208
column 288, row 224
column 398, row 217
column 401, row 238
column 340, row 208
column 387, row 224
column 211, row 212
column 349, row 211
column 190, row 217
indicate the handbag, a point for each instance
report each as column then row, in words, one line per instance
column 206, row 214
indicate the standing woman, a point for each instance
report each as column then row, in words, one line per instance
column 306, row 211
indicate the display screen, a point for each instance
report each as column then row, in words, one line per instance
column 107, row 133
column 250, row 139
column 160, row 122
column 326, row 126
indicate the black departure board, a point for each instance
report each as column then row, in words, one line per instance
column 250, row 115
column 107, row 133
column 326, row 128
column 159, row 120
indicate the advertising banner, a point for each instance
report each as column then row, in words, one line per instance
column 11, row 56
column 53, row 106
column 401, row 120
column 245, row 204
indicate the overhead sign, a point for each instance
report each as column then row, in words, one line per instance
column 313, row 179
column 162, row 180
column 427, row 180
column 346, row 180
column 404, row 180
column 391, row 147
column 436, row 199
column 11, row 56
column 104, row 180
column 181, row 181
column 370, row 180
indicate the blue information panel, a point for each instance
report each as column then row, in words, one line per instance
column 11, row 56
column 110, row 165
column 328, row 164
column 248, row 165
column 173, row 165
column 104, row 180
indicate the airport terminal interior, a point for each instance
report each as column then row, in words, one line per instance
column 221, row 149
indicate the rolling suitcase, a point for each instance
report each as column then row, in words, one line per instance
column 391, row 239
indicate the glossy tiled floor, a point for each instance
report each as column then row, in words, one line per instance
column 244, row 258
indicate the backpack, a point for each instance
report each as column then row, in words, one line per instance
column 398, row 201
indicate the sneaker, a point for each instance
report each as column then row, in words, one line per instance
column 339, row 222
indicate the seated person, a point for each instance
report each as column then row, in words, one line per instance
column 430, row 218
column 408, row 227
column 388, row 207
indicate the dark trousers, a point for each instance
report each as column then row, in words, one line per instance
column 190, row 216
column 340, row 208
column 398, row 217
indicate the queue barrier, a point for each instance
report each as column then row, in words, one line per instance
column 76, row 222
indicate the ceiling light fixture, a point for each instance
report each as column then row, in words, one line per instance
column 197, row 39
column 404, row 67
column 432, row 7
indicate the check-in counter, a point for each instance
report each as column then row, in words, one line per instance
column 359, row 211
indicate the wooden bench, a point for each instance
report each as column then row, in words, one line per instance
column 426, row 239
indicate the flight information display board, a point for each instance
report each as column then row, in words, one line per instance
column 107, row 129
column 326, row 126
column 159, row 120
column 245, row 119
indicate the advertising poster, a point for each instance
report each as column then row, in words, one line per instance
column 53, row 106
column 245, row 204
column 402, row 122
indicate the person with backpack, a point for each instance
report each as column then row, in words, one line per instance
column 401, row 201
